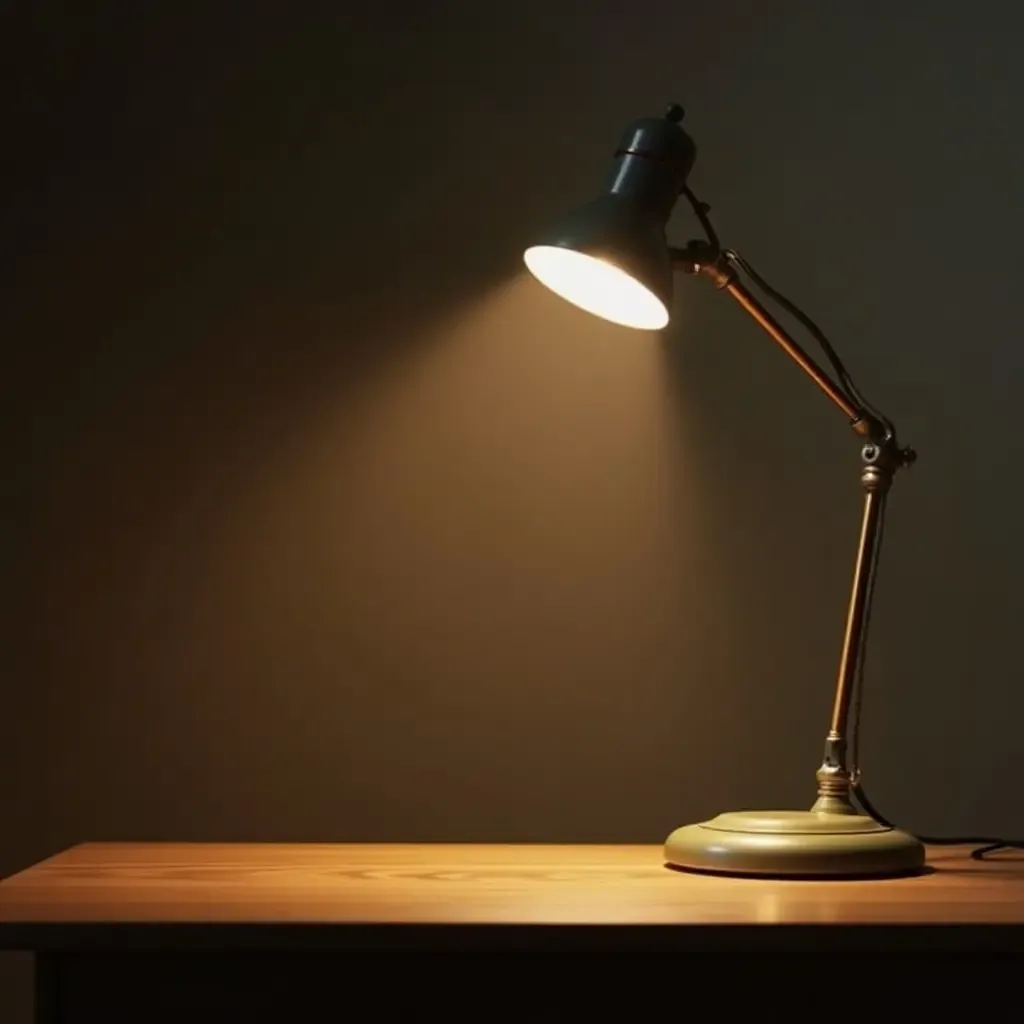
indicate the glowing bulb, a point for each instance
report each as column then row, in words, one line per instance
column 598, row 287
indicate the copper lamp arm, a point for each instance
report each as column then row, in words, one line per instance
column 707, row 259
column 881, row 456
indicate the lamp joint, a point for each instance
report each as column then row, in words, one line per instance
column 834, row 778
column 880, row 460
column 701, row 257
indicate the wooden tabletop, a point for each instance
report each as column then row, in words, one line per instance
column 99, row 885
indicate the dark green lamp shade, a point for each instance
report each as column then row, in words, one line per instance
column 610, row 257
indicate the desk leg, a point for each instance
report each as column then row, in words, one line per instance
column 47, row 995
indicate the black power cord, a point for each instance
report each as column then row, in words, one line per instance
column 984, row 845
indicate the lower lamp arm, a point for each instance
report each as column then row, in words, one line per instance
column 836, row 777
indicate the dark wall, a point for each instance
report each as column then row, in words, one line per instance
column 326, row 524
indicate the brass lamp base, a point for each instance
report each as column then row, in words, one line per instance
column 794, row 844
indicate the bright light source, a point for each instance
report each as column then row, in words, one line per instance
column 596, row 286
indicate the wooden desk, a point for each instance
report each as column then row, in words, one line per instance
column 149, row 932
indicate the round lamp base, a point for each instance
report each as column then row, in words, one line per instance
column 794, row 844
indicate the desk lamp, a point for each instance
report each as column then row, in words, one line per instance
column 611, row 258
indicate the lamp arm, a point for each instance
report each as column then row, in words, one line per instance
column 721, row 267
column 881, row 457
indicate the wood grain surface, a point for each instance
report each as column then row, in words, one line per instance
column 226, row 884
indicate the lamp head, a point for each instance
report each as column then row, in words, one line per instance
column 610, row 257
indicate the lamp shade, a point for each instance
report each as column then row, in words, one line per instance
column 610, row 256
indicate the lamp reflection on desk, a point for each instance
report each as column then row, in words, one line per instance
column 611, row 258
